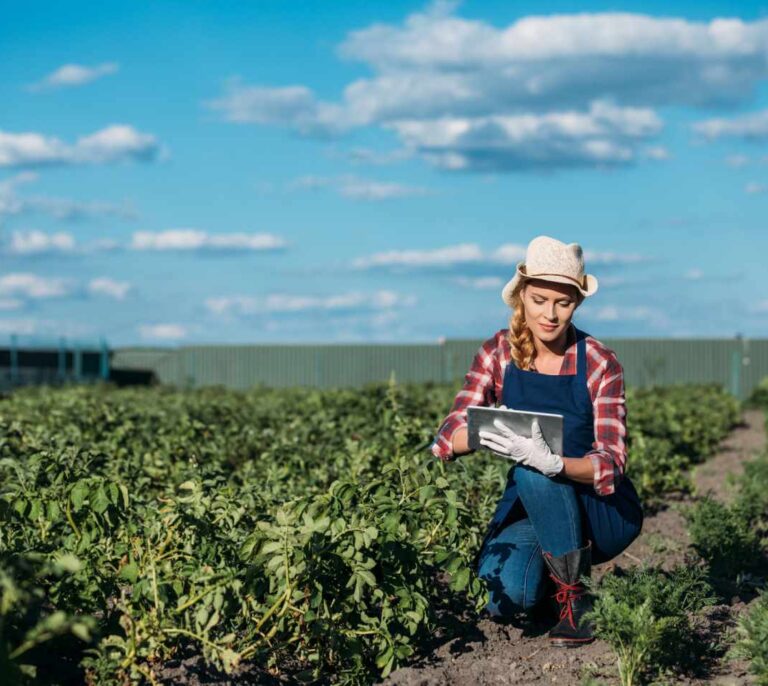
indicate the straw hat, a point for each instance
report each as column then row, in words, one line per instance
column 551, row 260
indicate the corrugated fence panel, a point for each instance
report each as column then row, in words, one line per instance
column 354, row 365
column 756, row 364
column 299, row 365
column 138, row 358
column 661, row 362
column 737, row 365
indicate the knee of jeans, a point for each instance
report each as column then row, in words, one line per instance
column 506, row 597
column 613, row 546
column 532, row 480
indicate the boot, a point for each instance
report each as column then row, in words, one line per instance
column 572, row 630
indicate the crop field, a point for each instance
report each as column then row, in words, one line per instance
column 161, row 536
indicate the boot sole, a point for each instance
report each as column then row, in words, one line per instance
column 570, row 642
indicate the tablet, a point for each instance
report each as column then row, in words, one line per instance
column 481, row 418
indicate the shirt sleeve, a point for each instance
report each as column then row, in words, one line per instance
column 609, row 456
column 479, row 389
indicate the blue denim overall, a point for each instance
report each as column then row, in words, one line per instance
column 610, row 522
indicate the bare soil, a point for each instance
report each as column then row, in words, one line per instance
column 518, row 651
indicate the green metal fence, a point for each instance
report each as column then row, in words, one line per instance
column 34, row 360
column 737, row 364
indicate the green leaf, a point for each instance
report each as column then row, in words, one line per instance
column 113, row 492
column 35, row 509
column 367, row 576
column 129, row 572
column 124, row 494
column 81, row 631
column 282, row 517
column 384, row 657
column 271, row 547
column 78, row 495
column 460, row 579
column 99, row 500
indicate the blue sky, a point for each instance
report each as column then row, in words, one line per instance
column 187, row 172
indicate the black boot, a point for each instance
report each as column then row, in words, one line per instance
column 566, row 570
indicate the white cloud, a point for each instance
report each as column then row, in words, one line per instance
column 473, row 84
column 163, row 331
column 604, row 135
column 752, row 127
column 284, row 303
column 103, row 285
column 363, row 189
column 737, row 161
column 753, row 188
column 443, row 257
column 69, row 75
column 481, row 283
column 350, row 186
column 760, row 307
column 508, row 254
column 45, row 327
column 194, row 239
column 35, row 242
column 114, row 143
column 657, row 152
column 694, row 274
column 612, row 281
column 12, row 203
column 592, row 257
column 21, row 327
column 32, row 286
column 373, row 157
column 11, row 304
column 613, row 313
column 296, row 105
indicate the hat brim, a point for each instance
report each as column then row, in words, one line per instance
column 509, row 288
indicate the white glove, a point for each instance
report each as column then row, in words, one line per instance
column 532, row 452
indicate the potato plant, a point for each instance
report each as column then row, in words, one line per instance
column 307, row 533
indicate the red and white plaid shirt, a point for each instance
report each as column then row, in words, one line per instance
column 605, row 381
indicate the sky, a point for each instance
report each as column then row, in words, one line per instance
column 184, row 173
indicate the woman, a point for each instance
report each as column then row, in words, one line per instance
column 559, row 512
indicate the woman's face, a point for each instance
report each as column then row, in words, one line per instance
column 548, row 307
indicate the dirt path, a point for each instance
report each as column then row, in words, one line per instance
column 497, row 653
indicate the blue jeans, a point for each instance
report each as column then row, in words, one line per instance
column 557, row 515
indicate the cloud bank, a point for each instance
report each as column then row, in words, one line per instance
column 544, row 92
column 115, row 143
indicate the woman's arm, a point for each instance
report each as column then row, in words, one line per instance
column 460, row 441
column 479, row 389
column 578, row 469
column 609, row 456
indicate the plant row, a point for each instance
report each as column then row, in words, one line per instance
column 656, row 620
column 294, row 532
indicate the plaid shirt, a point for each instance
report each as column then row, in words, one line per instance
column 605, row 381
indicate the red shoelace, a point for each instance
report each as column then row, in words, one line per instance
column 564, row 595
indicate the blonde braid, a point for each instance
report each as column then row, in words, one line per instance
column 520, row 337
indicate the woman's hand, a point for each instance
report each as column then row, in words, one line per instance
column 532, row 452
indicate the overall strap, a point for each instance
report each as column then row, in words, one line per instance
column 581, row 354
